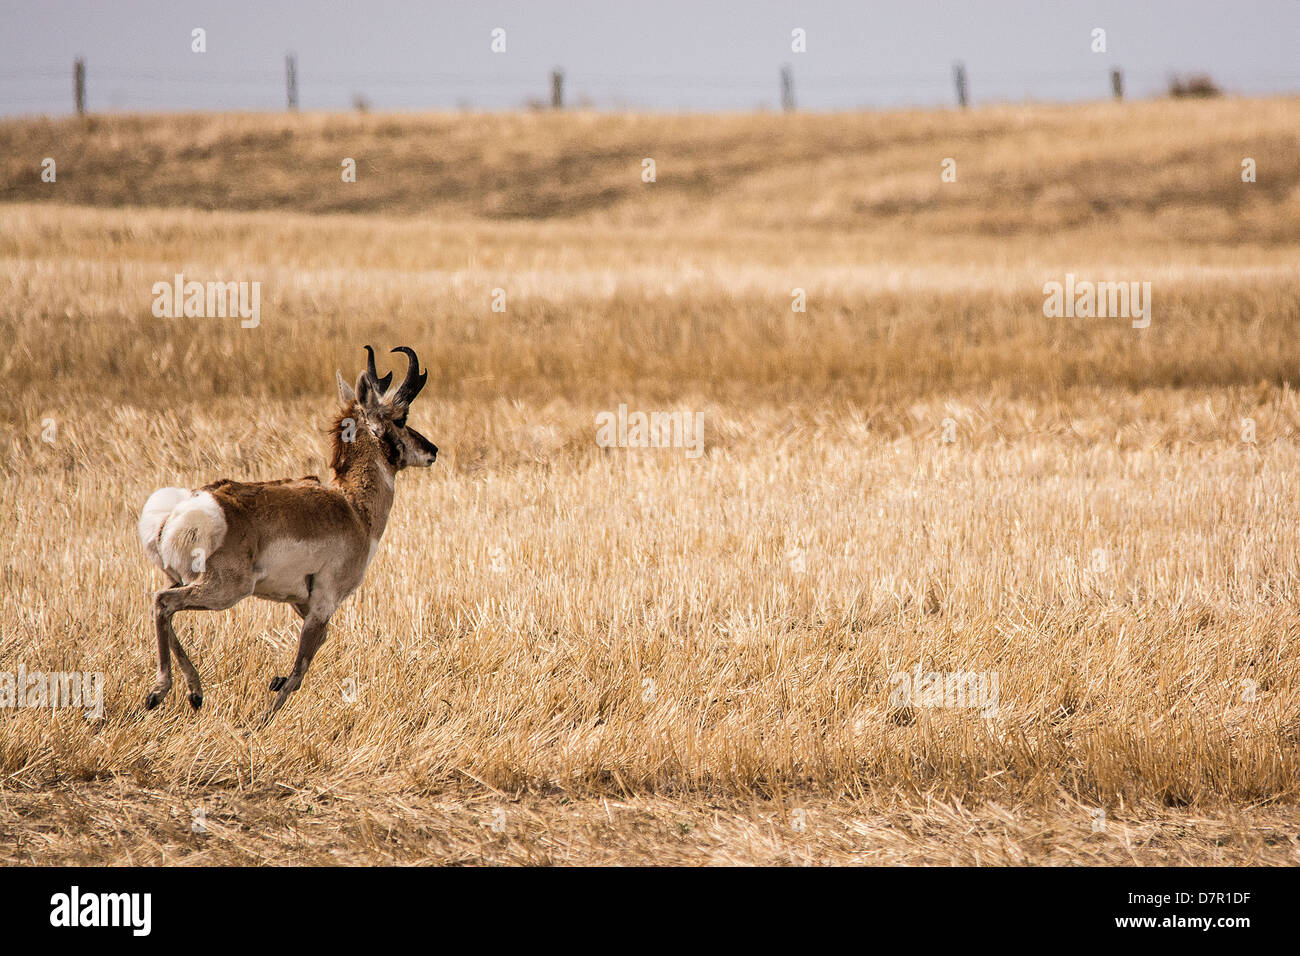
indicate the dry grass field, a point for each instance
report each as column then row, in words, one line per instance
column 565, row 653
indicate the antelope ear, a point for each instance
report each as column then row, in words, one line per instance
column 346, row 395
column 366, row 394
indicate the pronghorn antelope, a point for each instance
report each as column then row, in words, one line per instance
column 294, row 540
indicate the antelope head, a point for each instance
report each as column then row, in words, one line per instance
column 385, row 410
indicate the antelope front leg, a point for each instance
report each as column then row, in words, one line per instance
column 309, row 642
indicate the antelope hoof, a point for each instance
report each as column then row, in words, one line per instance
column 278, row 682
column 153, row 699
column 196, row 700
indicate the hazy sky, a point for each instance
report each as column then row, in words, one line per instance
column 657, row 54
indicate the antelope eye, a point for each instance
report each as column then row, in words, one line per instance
column 400, row 422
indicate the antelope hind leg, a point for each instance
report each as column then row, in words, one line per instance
column 215, row 590
column 162, row 626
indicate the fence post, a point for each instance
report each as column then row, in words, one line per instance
column 291, row 80
column 557, row 89
column 959, row 77
column 79, row 85
column 1117, row 83
column 787, row 89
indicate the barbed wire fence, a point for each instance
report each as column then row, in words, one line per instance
column 87, row 89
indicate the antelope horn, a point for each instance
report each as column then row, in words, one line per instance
column 414, row 380
column 381, row 384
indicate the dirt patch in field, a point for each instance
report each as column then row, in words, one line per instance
column 114, row 823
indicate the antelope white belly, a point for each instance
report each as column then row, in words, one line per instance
column 284, row 567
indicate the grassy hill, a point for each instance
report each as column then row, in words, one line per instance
column 1151, row 168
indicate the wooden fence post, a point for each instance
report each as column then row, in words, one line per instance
column 291, row 80
column 79, row 85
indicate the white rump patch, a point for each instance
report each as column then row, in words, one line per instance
column 181, row 529
column 154, row 513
